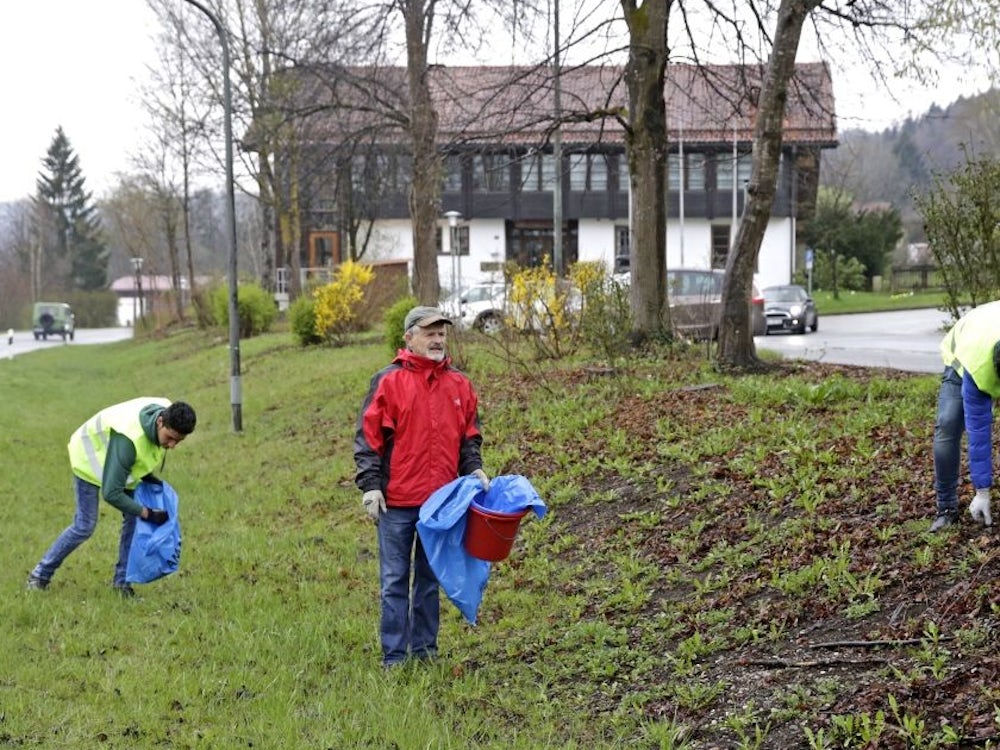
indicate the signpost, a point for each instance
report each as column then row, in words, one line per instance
column 809, row 268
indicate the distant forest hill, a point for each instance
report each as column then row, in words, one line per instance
column 888, row 167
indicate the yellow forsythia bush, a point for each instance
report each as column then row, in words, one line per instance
column 336, row 304
column 535, row 301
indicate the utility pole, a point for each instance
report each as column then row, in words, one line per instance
column 235, row 385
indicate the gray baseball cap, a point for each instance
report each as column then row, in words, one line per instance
column 423, row 317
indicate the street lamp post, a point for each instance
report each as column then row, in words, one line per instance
column 456, row 261
column 235, row 386
column 137, row 297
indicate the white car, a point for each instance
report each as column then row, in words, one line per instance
column 480, row 307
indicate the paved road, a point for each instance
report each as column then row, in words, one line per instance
column 24, row 341
column 902, row 340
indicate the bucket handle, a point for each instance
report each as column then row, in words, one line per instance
column 488, row 522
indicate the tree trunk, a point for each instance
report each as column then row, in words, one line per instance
column 425, row 189
column 168, row 203
column 646, row 138
column 736, row 347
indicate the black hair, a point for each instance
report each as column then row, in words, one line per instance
column 179, row 416
column 996, row 358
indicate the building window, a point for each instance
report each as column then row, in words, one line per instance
column 381, row 172
column 623, row 178
column 324, row 249
column 588, row 172
column 694, row 171
column 622, row 256
column 452, row 182
column 720, row 245
column 724, row 170
column 530, row 244
column 491, row 173
column 538, row 172
column 358, row 172
column 461, row 240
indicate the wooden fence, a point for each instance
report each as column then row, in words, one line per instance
column 918, row 278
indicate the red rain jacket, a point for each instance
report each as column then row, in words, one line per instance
column 417, row 431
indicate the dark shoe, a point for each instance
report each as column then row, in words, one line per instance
column 37, row 584
column 125, row 591
column 945, row 518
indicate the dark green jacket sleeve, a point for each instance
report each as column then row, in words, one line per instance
column 119, row 461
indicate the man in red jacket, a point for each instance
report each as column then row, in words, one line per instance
column 417, row 431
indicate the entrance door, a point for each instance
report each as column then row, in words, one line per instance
column 530, row 243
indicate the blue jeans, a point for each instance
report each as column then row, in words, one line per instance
column 410, row 612
column 84, row 522
column 948, row 429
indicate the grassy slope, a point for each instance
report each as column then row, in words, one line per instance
column 706, row 534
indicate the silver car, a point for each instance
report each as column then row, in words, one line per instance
column 790, row 308
column 480, row 307
column 695, row 298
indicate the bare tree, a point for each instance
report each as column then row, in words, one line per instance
column 646, row 139
column 919, row 32
column 736, row 347
column 458, row 21
column 16, row 254
column 177, row 119
column 265, row 37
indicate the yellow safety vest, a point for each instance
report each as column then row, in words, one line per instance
column 88, row 447
column 968, row 346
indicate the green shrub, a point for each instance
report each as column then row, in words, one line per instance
column 201, row 301
column 336, row 304
column 93, row 309
column 302, row 317
column 605, row 317
column 393, row 322
column 254, row 305
column 850, row 273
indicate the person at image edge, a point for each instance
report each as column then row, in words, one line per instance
column 969, row 385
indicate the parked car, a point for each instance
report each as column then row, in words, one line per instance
column 695, row 298
column 789, row 308
column 480, row 307
column 53, row 319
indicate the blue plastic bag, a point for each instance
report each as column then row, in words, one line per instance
column 155, row 550
column 441, row 526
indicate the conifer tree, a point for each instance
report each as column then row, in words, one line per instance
column 73, row 253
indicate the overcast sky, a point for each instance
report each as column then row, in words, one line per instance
column 78, row 64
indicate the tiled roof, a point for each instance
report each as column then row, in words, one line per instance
column 515, row 105
column 152, row 283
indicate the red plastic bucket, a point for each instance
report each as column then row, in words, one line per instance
column 489, row 534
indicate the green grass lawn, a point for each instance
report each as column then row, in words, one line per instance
column 700, row 526
column 859, row 302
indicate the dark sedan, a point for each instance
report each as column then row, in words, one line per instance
column 789, row 308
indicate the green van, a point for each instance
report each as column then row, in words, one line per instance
column 53, row 319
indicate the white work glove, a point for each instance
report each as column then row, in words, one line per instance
column 483, row 479
column 374, row 502
column 980, row 507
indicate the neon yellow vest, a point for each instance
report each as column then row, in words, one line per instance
column 88, row 447
column 968, row 346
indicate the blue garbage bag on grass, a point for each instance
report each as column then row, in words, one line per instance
column 441, row 526
column 155, row 550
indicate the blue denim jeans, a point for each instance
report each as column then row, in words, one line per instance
column 948, row 429
column 88, row 501
column 410, row 612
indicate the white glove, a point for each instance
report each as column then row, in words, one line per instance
column 374, row 502
column 980, row 507
column 483, row 479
